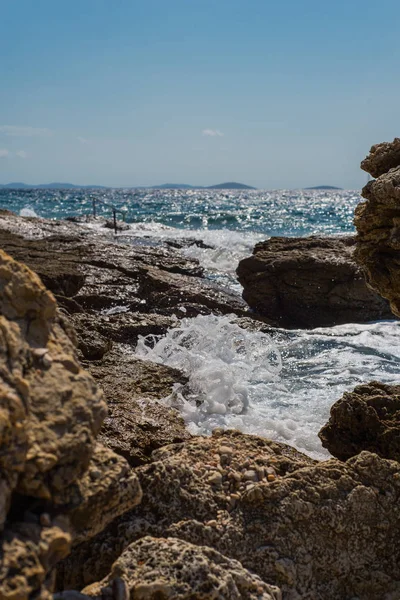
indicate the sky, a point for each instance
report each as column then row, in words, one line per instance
column 275, row 94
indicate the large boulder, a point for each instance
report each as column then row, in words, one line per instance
column 368, row 418
column 52, row 409
column 58, row 485
column 378, row 223
column 158, row 569
column 309, row 282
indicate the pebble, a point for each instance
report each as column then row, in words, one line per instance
column 271, row 477
column 260, row 473
column 47, row 361
column 225, row 450
column 250, row 475
column 215, row 478
column 39, row 352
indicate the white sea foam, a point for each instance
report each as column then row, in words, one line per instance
column 280, row 387
column 220, row 259
column 27, row 211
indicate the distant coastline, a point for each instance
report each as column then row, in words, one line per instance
column 229, row 185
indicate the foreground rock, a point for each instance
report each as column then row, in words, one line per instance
column 199, row 481
column 377, row 221
column 57, row 484
column 328, row 530
column 309, row 282
column 154, row 568
column 366, row 419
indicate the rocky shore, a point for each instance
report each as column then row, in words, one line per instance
column 106, row 495
column 309, row 282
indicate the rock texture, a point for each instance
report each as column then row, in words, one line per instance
column 366, row 419
column 58, row 485
column 28, row 554
column 382, row 158
column 309, row 282
column 378, row 223
column 85, row 271
column 97, row 289
column 199, row 481
column 320, row 531
column 137, row 423
column 53, row 406
column 154, row 569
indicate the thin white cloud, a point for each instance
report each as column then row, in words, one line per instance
column 4, row 153
column 83, row 140
column 212, row 132
column 20, row 131
column 21, row 154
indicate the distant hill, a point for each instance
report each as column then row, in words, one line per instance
column 323, row 187
column 17, row 185
column 230, row 185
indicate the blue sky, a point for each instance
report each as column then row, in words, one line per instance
column 274, row 94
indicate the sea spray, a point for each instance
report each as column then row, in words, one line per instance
column 222, row 361
column 280, row 386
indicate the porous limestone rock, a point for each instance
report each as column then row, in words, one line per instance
column 174, row 293
column 196, row 480
column 320, row 531
column 107, row 490
column 28, row 553
column 172, row 569
column 378, row 241
column 97, row 332
column 54, row 408
column 308, row 282
column 368, row 418
column 382, row 158
column 57, row 484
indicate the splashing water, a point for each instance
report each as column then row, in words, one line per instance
column 222, row 361
column 27, row 211
column 279, row 387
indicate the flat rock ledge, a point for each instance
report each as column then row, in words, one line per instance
column 309, row 282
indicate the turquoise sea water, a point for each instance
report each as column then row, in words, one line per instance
column 282, row 212
column 280, row 386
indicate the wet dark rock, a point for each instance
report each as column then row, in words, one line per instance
column 173, row 293
column 123, row 327
column 187, row 243
column 137, row 423
column 309, row 282
column 367, row 418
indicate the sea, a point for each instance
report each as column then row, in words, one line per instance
column 279, row 385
